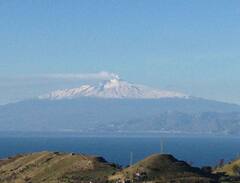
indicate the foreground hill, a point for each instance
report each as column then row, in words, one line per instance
column 163, row 168
column 49, row 167
column 54, row 167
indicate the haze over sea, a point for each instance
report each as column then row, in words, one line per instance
column 198, row 151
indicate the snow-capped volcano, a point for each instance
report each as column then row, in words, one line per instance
column 113, row 88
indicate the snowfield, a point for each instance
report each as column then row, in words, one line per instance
column 113, row 88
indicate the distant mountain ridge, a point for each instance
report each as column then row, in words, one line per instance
column 117, row 107
column 116, row 116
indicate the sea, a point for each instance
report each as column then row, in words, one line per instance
column 197, row 151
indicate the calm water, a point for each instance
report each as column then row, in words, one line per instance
column 199, row 151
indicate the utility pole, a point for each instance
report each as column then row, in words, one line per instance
column 131, row 159
column 161, row 144
column 238, row 156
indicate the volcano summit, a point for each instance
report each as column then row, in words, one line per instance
column 113, row 88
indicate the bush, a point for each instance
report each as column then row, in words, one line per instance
column 236, row 169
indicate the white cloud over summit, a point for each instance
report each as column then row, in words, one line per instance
column 20, row 87
column 83, row 76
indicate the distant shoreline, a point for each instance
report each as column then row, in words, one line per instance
column 55, row 134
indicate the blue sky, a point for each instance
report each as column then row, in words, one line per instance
column 189, row 46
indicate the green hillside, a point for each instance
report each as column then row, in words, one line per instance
column 230, row 172
column 162, row 168
column 55, row 167
column 49, row 167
